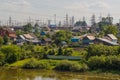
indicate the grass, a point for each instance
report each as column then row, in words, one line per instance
column 19, row 63
column 22, row 62
column 80, row 53
column 52, row 63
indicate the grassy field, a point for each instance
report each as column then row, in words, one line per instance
column 52, row 63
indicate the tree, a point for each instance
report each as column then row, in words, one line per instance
column 51, row 52
column 1, row 41
column 62, row 36
column 106, row 21
column 93, row 21
column 6, row 39
column 2, row 58
column 27, row 27
column 12, row 53
column 81, row 23
column 68, row 52
column 60, row 51
column 111, row 30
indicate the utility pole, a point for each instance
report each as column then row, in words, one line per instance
column 100, row 18
column 29, row 20
column 10, row 21
column 59, row 25
column 66, row 20
column 83, row 18
column 93, row 21
column 0, row 23
column 49, row 22
column 55, row 19
column 73, row 21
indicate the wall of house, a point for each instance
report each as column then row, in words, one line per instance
column 87, row 41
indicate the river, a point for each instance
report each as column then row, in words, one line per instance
column 20, row 74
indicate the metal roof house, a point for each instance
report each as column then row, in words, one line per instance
column 105, row 42
column 88, row 40
column 112, row 38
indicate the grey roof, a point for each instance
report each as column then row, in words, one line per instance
column 108, row 41
column 111, row 36
column 21, row 36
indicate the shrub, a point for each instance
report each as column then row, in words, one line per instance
column 42, row 65
column 69, row 66
column 104, row 62
column 12, row 53
column 35, row 64
column 99, row 50
column 31, row 64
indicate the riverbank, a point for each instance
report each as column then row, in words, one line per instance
column 35, row 74
column 58, row 65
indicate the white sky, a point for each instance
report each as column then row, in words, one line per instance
column 45, row 9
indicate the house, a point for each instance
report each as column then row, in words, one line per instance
column 8, row 32
column 64, row 44
column 88, row 40
column 20, row 39
column 29, row 38
column 45, row 41
column 75, row 39
column 105, row 42
column 42, row 33
column 112, row 38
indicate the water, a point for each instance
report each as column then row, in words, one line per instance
column 19, row 74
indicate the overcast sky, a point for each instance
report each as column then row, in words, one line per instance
column 45, row 9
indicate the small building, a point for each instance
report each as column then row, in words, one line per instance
column 45, row 41
column 29, row 38
column 112, row 38
column 105, row 42
column 75, row 39
column 88, row 40
column 42, row 33
column 64, row 43
column 8, row 32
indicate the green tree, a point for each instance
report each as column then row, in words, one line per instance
column 12, row 53
column 111, row 30
column 2, row 58
column 81, row 23
column 1, row 40
column 62, row 36
column 27, row 27
column 51, row 52
column 6, row 39
column 99, row 50
column 60, row 51
column 68, row 52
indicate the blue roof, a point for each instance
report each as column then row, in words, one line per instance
column 75, row 39
column 42, row 33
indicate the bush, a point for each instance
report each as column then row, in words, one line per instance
column 2, row 58
column 104, row 62
column 69, row 66
column 12, row 53
column 31, row 64
column 35, row 64
column 99, row 50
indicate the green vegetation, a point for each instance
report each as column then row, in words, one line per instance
column 104, row 62
column 71, row 66
column 109, row 30
column 99, row 50
column 11, row 53
column 35, row 64
column 62, row 36
column 94, row 57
